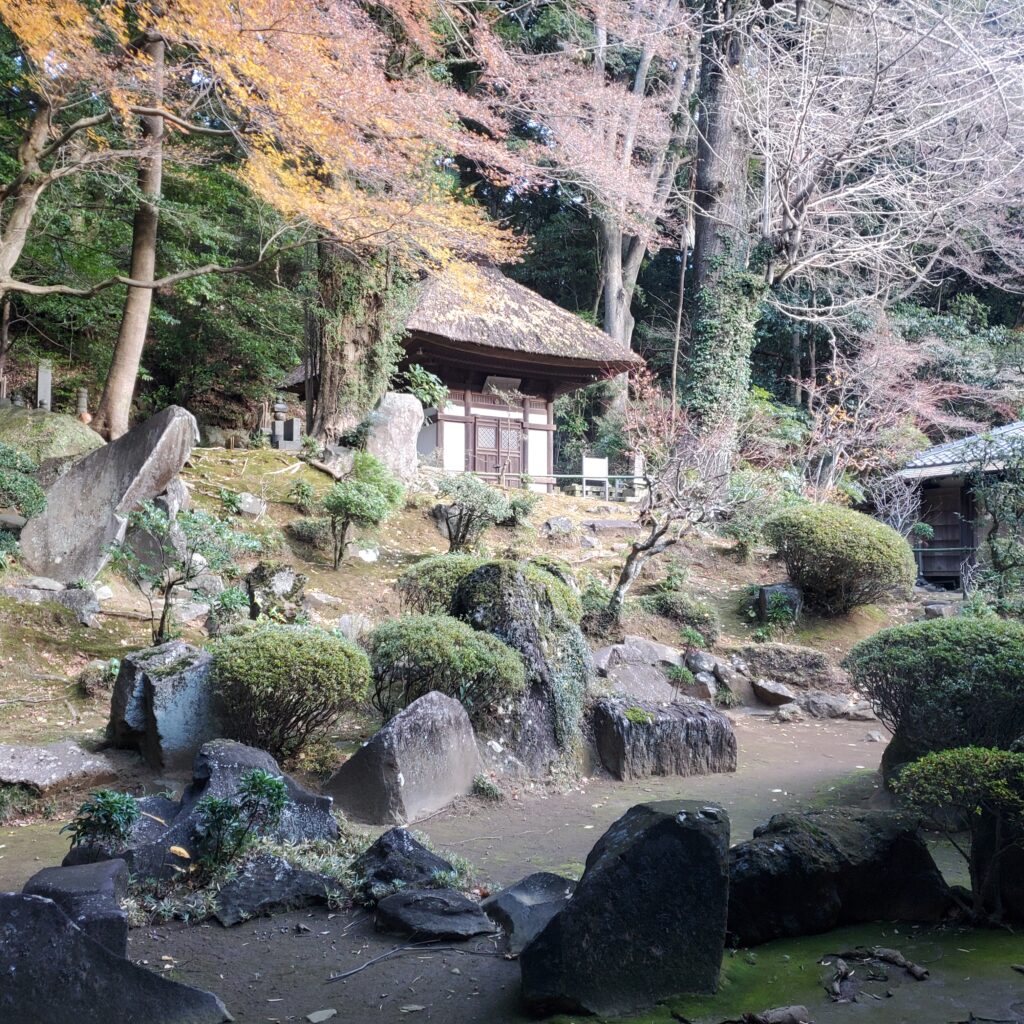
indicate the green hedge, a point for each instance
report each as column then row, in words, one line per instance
column 945, row 682
column 839, row 558
column 429, row 585
column 413, row 655
column 277, row 685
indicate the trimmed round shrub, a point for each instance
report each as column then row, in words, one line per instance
column 839, row 558
column 278, row 685
column 413, row 655
column 429, row 586
column 686, row 610
column 945, row 682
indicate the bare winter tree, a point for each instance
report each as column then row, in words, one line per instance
column 897, row 501
column 611, row 107
column 889, row 141
column 685, row 484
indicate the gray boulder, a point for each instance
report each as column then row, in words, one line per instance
column 250, row 506
column 79, row 600
column 275, row 590
column 432, row 914
column 939, row 610
column 424, row 758
column 636, row 739
column 91, row 895
column 637, row 667
column 147, row 548
column 55, row 766
column 396, row 859
column 54, row 973
column 802, row 668
column 523, row 910
column 268, row 885
column 703, row 687
column 768, row 691
column 819, row 704
column 698, row 661
column 556, row 526
column 647, row 919
column 803, row 874
column 394, row 431
column 162, row 704
column 88, row 506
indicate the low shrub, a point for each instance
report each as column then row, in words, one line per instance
column 680, row 675
column 686, row 610
column 945, row 682
column 366, row 497
column 107, row 818
column 429, row 586
column 840, row 558
column 473, row 505
column 18, row 490
column 413, row 655
column 520, row 506
column 312, row 530
column 278, row 685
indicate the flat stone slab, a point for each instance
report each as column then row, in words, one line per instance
column 432, row 914
column 61, row 765
column 523, row 910
column 54, row 973
column 609, row 525
column 90, row 894
column 82, row 602
column 772, row 693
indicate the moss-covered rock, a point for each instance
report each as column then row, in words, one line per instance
column 46, row 435
column 534, row 613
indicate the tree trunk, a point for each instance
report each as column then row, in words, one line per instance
column 727, row 298
column 112, row 415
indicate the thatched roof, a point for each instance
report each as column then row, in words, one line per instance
column 480, row 306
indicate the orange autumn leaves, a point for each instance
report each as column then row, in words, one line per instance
column 330, row 135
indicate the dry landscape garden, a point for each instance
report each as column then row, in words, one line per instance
column 512, row 510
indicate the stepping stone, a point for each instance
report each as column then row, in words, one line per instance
column 432, row 914
column 62, row 765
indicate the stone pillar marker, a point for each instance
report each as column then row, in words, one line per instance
column 44, row 385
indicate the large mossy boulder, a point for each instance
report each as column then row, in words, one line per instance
column 536, row 614
column 645, row 922
column 45, row 436
column 807, row 873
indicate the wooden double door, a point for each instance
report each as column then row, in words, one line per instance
column 497, row 447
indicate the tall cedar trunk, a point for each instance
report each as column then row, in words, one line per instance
column 726, row 298
column 345, row 328
column 111, row 419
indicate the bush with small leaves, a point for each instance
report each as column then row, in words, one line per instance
column 303, row 496
column 429, row 586
column 638, row 716
column 945, row 682
column 18, row 490
column 413, row 655
column 8, row 549
column 107, row 818
column 486, row 788
column 841, row 559
column 366, row 497
column 473, row 505
column 225, row 827
column 680, row 675
column 521, row 506
column 278, row 685
column 985, row 788
column 313, row 530
column 686, row 610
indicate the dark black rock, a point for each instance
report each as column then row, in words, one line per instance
column 54, row 973
column 396, row 858
column 523, row 910
column 636, row 738
column 807, row 873
column 432, row 914
column 90, row 894
column 647, row 919
column 267, row 885
column 217, row 771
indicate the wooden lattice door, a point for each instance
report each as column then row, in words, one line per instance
column 497, row 447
